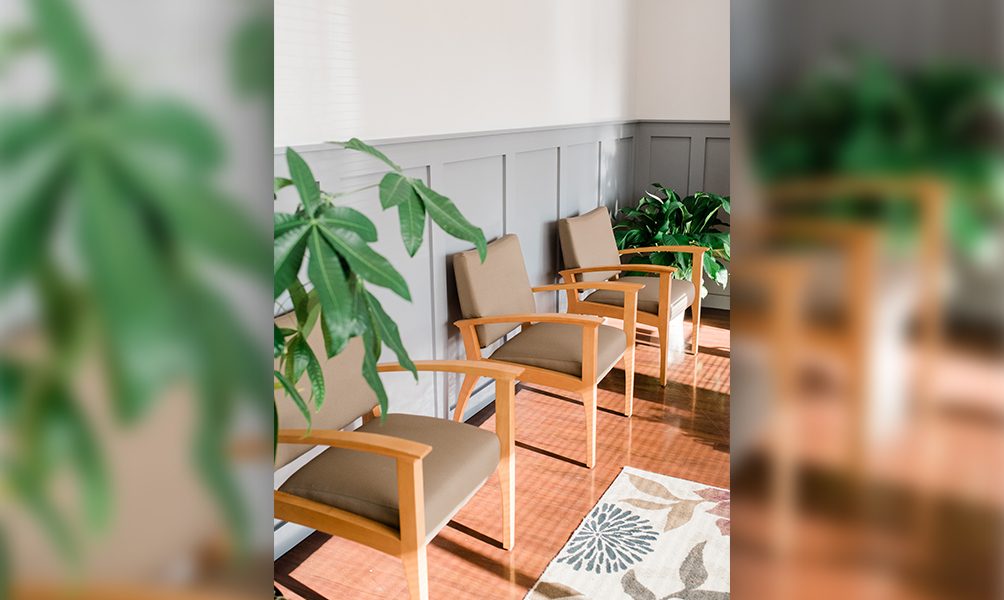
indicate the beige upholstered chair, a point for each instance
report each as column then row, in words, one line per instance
column 590, row 254
column 568, row 352
column 394, row 483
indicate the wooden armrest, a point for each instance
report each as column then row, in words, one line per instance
column 581, row 320
column 641, row 268
column 468, row 367
column 691, row 249
column 373, row 443
column 616, row 286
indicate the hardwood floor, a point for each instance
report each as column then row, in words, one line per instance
column 681, row 430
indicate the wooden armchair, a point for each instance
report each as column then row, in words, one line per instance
column 394, row 483
column 569, row 352
column 590, row 254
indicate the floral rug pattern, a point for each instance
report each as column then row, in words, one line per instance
column 650, row 537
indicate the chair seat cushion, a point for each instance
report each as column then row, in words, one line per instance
column 558, row 347
column 462, row 458
column 681, row 295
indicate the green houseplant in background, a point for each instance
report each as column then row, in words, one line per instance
column 110, row 217
column 859, row 116
column 334, row 241
column 665, row 219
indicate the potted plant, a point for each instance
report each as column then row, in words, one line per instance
column 665, row 219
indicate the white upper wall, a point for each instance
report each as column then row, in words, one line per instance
column 681, row 55
column 395, row 68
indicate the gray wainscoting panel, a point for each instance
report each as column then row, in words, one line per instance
column 616, row 173
column 531, row 214
column 716, row 166
column 670, row 162
column 477, row 186
column 580, row 177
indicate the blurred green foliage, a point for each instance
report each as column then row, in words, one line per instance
column 335, row 243
column 863, row 117
column 665, row 219
column 113, row 222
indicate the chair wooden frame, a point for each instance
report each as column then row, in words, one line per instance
column 661, row 320
column 584, row 386
column 409, row 541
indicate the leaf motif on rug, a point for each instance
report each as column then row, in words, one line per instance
column 652, row 488
column 680, row 510
column 722, row 509
column 680, row 514
column 610, row 540
column 693, row 574
column 546, row 590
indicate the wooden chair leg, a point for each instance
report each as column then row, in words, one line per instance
column 416, row 569
column 629, row 355
column 505, row 428
column 695, row 331
column 465, row 394
column 663, row 354
column 589, row 401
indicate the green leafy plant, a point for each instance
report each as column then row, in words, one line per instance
column 861, row 117
column 334, row 241
column 668, row 220
column 111, row 210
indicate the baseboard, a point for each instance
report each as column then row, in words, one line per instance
column 719, row 301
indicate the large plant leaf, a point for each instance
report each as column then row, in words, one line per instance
column 411, row 214
column 24, row 132
column 283, row 222
column 143, row 333
column 371, row 342
column 151, row 129
column 303, row 179
column 27, row 212
column 395, row 189
column 363, row 260
column 279, row 184
column 343, row 217
column 67, row 421
column 278, row 342
column 316, row 377
column 325, row 271
column 387, row 329
column 289, row 249
column 448, row 217
column 296, row 359
column 361, row 146
column 70, row 48
column 295, row 396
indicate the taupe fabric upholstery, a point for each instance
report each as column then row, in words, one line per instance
column 558, row 347
column 681, row 295
column 462, row 458
column 588, row 241
column 346, row 400
column 498, row 286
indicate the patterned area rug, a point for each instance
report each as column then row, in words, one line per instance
column 650, row 537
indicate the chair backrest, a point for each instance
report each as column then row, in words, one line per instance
column 347, row 398
column 588, row 241
column 498, row 286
